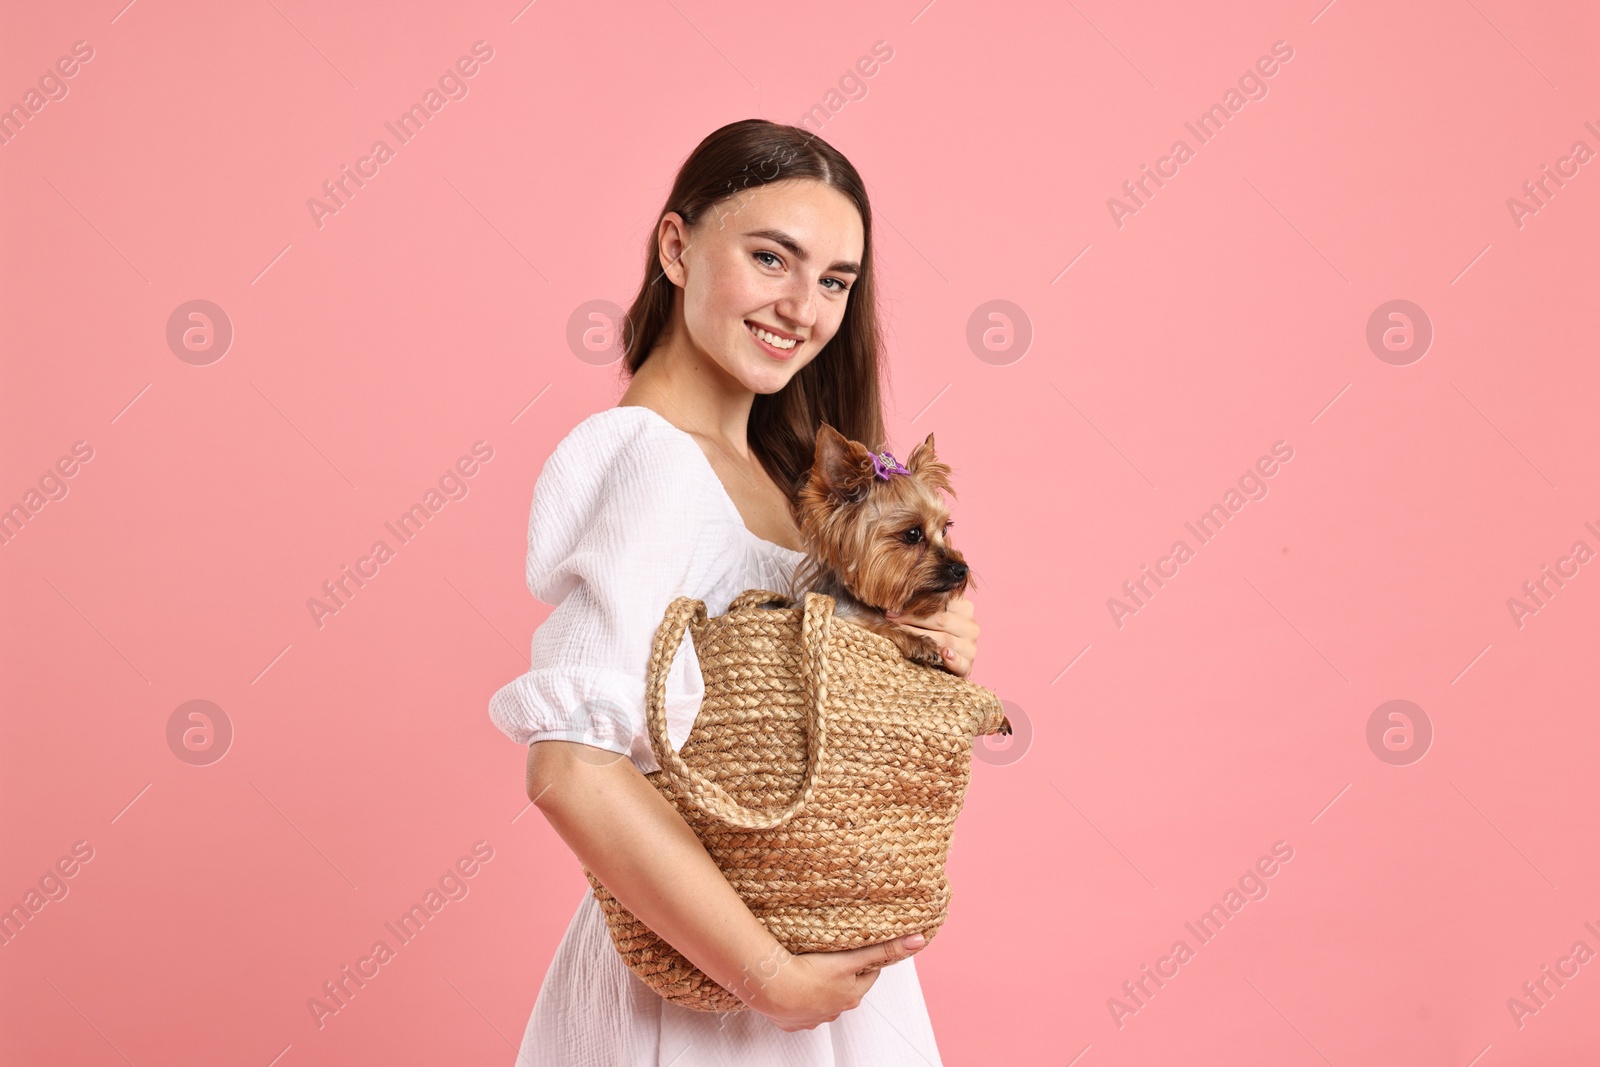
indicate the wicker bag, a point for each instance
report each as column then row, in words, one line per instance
column 824, row 774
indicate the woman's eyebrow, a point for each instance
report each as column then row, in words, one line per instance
column 846, row 266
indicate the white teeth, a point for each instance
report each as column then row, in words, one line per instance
column 772, row 339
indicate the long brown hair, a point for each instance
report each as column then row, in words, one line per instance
column 842, row 384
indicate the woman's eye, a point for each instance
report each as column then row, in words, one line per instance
column 774, row 255
column 843, row 288
column 913, row 535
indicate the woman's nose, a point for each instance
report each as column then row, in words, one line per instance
column 798, row 303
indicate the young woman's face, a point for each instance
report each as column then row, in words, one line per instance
column 780, row 258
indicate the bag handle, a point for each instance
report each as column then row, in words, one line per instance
column 754, row 598
column 710, row 797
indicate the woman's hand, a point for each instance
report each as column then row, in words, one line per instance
column 954, row 630
column 799, row 992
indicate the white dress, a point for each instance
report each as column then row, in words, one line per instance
column 628, row 514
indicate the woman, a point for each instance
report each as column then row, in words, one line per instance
column 755, row 323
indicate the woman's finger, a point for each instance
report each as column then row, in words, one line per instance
column 942, row 638
column 942, row 621
column 956, row 631
column 959, row 665
column 938, row 637
column 956, row 652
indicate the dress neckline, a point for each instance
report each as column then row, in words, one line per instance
column 711, row 472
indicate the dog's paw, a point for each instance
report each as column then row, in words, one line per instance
column 924, row 650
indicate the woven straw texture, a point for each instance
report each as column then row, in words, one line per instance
column 824, row 774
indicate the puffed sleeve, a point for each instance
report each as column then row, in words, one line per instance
column 618, row 529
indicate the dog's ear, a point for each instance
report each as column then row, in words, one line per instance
column 842, row 468
column 925, row 464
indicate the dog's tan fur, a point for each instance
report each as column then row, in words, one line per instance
column 860, row 546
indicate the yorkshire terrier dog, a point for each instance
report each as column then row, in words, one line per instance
column 877, row 538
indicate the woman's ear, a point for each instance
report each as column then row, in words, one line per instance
column 673, row 238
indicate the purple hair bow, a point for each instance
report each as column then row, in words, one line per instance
column 884, row 464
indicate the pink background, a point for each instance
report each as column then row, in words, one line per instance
column 1230, row 312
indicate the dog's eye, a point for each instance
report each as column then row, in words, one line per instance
column 913, row 535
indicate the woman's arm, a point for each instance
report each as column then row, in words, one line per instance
column 640, row 848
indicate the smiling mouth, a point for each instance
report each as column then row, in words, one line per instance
column 772, row 340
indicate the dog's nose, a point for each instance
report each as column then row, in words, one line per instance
column 958, row 569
